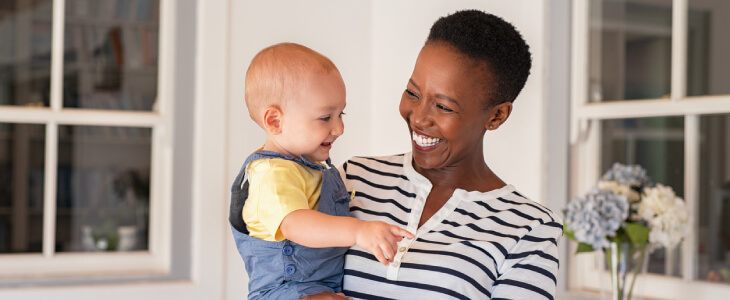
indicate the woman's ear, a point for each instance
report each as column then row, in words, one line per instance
column 272, row 120
column 499, row 114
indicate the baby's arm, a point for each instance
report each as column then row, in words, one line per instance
column 317, row 230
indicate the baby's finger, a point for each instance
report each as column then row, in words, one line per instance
column 401, row 232
column 389, row 251
column 393, row 242
column 380, row 257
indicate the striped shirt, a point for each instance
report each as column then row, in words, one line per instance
column 493, row 245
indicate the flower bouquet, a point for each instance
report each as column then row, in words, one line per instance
column 624, row 215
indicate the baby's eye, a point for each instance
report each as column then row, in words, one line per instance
column 411, row 94
column 444, row 108
column 342, row 114
column 325, row 118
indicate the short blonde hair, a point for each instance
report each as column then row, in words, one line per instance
column 273, row 74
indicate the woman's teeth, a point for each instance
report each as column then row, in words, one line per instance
column 424, row 141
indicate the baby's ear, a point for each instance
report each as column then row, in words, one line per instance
column 272, row 119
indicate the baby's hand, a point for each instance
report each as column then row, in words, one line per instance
column 381, row 239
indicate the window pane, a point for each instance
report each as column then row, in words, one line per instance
column 22, row 159
column 110, row 59
column 657, row 144
column 708, row 65
column 25, row 52
column 630, row 49
column 714, row 202
column 103, row 188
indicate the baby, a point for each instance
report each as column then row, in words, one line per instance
column 290, row 212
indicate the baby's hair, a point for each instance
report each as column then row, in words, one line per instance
column 273, row 73
column 487, row 38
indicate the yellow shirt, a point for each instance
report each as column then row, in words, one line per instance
column 276, row 188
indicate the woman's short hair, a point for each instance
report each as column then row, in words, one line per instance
column 490, row 39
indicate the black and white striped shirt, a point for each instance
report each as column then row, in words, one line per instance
column 497, row 245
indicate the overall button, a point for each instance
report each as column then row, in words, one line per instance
column 402, row 249
column 287, row 250
column 290, row 269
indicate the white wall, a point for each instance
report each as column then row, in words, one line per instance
column 375, row 44
column 339, row 30
column 400, row 28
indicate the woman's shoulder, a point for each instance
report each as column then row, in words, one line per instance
column 528, row 208
column 390, row 163
column 392, row 160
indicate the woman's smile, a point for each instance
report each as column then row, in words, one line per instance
column 424, row 142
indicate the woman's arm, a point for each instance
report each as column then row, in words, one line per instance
column 317, row 230
column 530, row 269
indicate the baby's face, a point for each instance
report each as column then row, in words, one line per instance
column 312, row 121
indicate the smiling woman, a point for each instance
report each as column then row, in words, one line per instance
column 476, row 237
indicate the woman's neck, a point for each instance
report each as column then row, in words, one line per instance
column 469, row 175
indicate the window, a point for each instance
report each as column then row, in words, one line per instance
column 84, row 138
column 650, row 86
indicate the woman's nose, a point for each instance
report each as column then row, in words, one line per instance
column 419, row 116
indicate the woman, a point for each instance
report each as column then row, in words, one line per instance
column 476, row 236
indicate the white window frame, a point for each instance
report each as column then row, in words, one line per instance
column 585, row 269
column 154, row 261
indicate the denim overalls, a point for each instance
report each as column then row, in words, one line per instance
column 287, row 270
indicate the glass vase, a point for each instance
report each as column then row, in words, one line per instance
column 625, row 260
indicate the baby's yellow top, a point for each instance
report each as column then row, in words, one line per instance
column 274, row 74
column 278, row 187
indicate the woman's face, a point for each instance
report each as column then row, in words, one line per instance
column 443, row 106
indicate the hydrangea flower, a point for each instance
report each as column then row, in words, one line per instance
column 666, row 215
column 625, row 206
column 621, row 189
column 595, row 216
column 633, row 176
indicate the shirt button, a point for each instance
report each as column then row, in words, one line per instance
column 290, row 269
column 402, row 249
column 287, row 250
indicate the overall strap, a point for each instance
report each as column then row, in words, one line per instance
column 300, row 160
column 239, row 189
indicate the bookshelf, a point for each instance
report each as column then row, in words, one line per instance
column 110, row 62
column 110, row 53
column 21, row 157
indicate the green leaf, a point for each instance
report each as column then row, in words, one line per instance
column 583, row 247
column 638, row 234
column 568, row 233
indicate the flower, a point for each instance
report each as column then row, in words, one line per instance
column 633, row 176
column 626, row 206
column 596, row 215
column 666, row 215
column 625, row 190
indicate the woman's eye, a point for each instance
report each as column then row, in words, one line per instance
column 411, row 94
column 444, row 108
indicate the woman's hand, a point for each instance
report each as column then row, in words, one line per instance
column 326, row 296
column 381, row 239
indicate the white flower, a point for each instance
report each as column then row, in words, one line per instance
column 666, row 215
